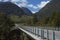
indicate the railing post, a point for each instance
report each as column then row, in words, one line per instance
column 42, row 34
column 53, row 35
column 35, row 30
column 47, row 35
column 38, row 32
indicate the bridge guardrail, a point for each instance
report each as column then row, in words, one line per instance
column 44, row 33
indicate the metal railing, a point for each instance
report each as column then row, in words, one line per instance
column 45, row 33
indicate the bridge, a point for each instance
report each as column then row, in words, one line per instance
column 41, row 33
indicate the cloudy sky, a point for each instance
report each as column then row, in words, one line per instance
column 33, row 5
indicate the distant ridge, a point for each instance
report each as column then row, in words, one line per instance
column 11, row 8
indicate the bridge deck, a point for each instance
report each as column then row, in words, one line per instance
column 41, row 34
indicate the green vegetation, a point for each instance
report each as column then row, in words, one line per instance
column 5, row 25
column 54, row 20
column 33, row 20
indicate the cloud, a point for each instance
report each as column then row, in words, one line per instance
column 15, row 1
column 5, row 0
column 22, row 3
column 42, row 4
column 33, row 12
column 32, row 6
column 38, row 6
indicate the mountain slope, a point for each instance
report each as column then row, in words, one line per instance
column 54, row 5
column 27, row 11
column 50, row 14
column 10, row 8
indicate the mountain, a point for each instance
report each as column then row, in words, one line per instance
column 11, row 8
column 53, row 5
column 27, row 11
column 50, row 14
